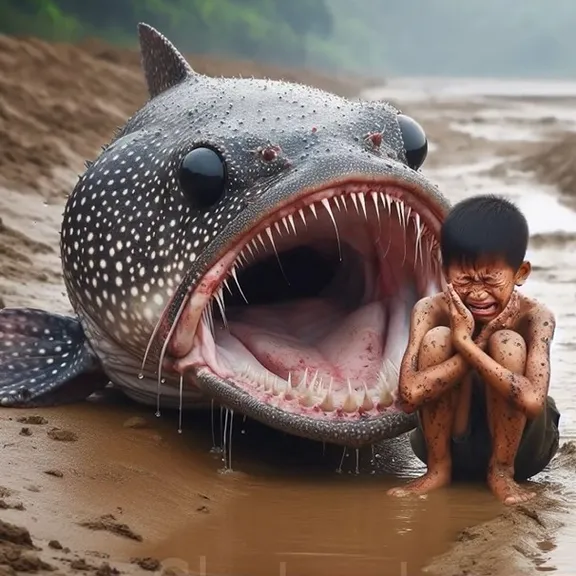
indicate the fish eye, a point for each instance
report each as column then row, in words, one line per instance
column 203, row 177
column 415, row 141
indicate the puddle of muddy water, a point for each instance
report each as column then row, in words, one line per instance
column 283, row 509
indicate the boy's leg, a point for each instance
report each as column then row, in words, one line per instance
column 437, row 419
column 539, row 443
column 506, row 423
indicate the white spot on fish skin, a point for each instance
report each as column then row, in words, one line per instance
column 129, row 235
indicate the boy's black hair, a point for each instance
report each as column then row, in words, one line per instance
column 484, row 226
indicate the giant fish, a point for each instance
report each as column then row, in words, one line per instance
column 253, row 243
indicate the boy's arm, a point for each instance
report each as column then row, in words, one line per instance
column 416, row 387
column 526, row 391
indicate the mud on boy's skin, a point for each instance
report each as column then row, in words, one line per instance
column 477, row 367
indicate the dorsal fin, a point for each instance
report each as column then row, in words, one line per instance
column 163, row 65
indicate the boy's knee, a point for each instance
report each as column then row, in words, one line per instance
column 507, row 347
column 436, row 346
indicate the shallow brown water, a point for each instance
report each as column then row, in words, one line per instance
column 288, row 507
column 286, row 510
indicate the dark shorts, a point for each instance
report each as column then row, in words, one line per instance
column 471, row 452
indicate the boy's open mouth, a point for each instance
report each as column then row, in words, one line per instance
column 483, row 310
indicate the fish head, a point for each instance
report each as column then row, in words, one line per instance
column 262, row 240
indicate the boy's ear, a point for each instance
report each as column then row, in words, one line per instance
column 523, row 273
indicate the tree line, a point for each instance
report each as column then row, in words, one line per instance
column 377, row 37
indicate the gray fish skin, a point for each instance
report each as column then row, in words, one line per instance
column 135, row 248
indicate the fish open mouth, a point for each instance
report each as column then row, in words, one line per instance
column 307, row 316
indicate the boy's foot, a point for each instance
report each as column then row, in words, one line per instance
column 508, row 491
column 432, row 480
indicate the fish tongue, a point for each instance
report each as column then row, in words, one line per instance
column 355, row 348
column 344, row 347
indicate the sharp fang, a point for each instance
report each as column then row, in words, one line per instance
column 367, row 404
column 363, row 204
column 326, row 205
column 219, row 296
column 292, row 223
column 386, row 399
column 418, row 225
column 350, row 404
column 375, row 201
column 387, row 201
column 355, row 202
column 302, row 387
column 313, row 210
column 327, row 404
column 238, row 284
column 308, row 399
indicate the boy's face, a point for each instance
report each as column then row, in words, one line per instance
column 485, row 287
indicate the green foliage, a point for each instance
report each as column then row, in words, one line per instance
column 274, row 30
column 379, row 37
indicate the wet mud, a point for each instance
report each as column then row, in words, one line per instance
column 105, row 487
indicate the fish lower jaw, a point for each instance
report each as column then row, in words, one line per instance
column 347, row 381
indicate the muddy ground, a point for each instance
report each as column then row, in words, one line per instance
column 106, row 488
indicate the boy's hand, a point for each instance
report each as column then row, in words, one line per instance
column 506, row 320
column 461, row 319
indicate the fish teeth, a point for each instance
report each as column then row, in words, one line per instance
column 327, row 403
column 425, row 242
column 374, row 196
column 367, row 403
column 285, row 222
column 355, row 201
column 310, row 389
